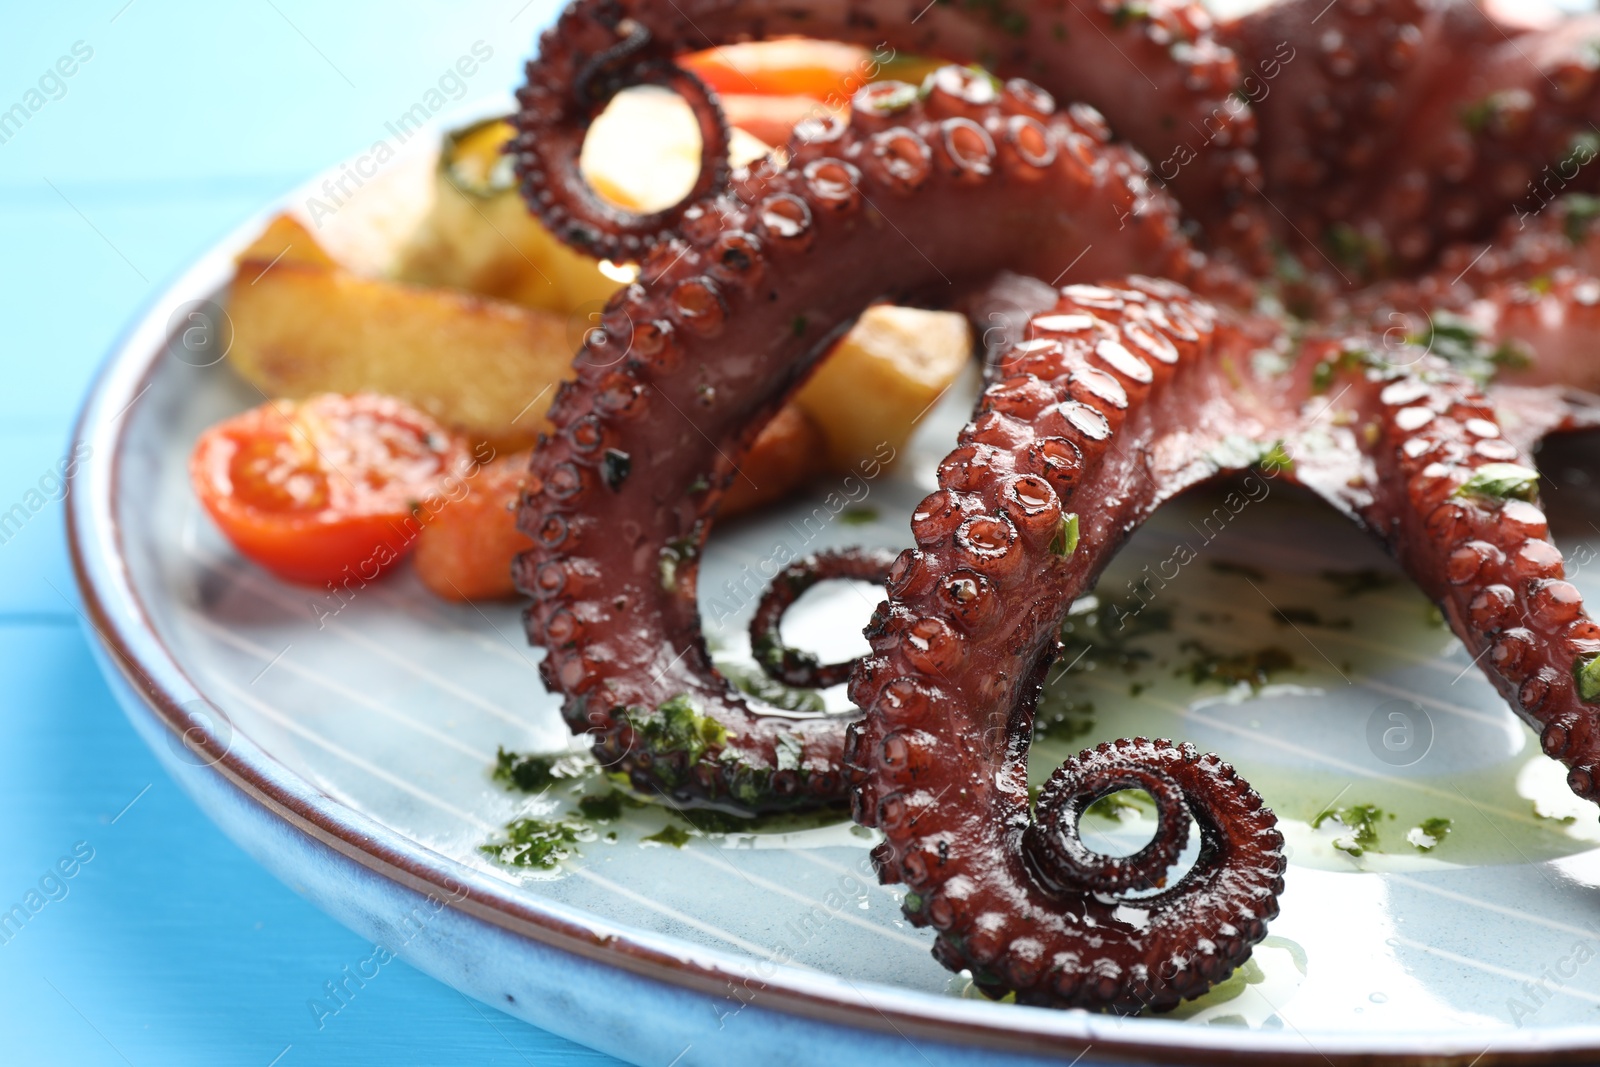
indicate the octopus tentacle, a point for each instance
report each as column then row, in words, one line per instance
column 1457, row 505
column 1401, row 125
column 1075, row 441
column 623, row 491
column 1183, row 111
column 791, row 666
column 568, row 87
column 1053, row 846
column 1519, row 311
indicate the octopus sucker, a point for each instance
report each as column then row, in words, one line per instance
column 1144, row 366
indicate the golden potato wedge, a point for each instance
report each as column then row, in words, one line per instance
column 286, row 240
column 642, row 153
column 882, row 378
column 481, row 237
column 483, row 367
column 483, row 351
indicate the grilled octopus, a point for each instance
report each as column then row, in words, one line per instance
column 1130, row 367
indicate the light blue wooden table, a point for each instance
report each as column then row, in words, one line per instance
column 170, row 946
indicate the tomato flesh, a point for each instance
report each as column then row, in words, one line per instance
column 326, row 489
column 827, row 71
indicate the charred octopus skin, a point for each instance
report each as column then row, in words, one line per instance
column 1114, row 398
column 730, row 312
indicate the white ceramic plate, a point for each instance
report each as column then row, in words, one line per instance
column 352, row 752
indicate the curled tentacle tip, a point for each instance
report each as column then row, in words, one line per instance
column 792, row 666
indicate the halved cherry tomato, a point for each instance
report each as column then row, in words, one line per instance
column 325, row 489
column 769, row 119
column 828, row 71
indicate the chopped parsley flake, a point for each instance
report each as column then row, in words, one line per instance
column 1362, row 822
column 673, row 556
column 1065, row 542
column 885, row 101
column 537, row 842
column 1588, row 679
column 677, row 725
column 536, row 772
column 1353, row 583
column 1254, row 669
column 1277, row 460
column 1502, row 481
column 670, row 835
column 1124, row 14
column 1427, row 836
column 1243, row 570
column 607, row 807
column 1293, row 616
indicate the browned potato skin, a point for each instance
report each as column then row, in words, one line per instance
column 482, row 367
column 465, row 551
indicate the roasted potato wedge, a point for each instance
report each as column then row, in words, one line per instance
column 882, row 378
column 488, row 309
column 481, row 237
column 485, row 368
column 286, row 240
